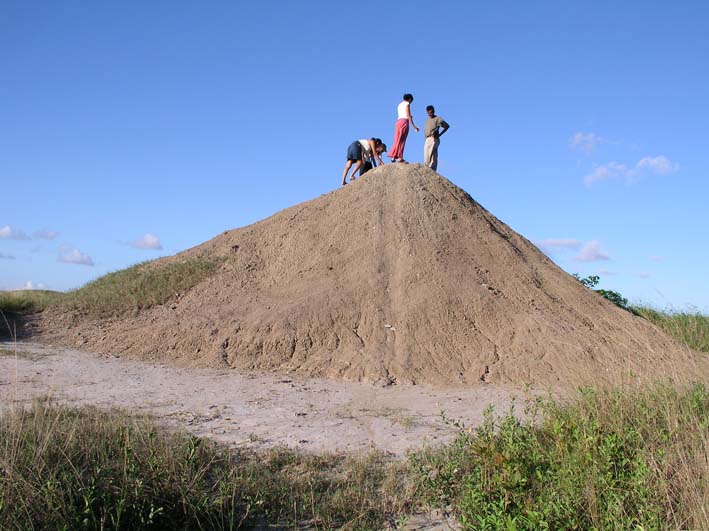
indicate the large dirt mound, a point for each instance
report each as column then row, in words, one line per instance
column 398, row 277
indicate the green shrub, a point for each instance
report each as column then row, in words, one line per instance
column 616, row 298
column 615, row 461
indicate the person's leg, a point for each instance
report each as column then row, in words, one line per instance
column 434, row 154
column 400, row 131
column 354, row 153
column 427, row 151
column 404, row 135
column 357, row 166
column 365, row 168
column 344, row 173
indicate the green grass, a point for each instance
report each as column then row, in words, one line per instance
column 87, row 469
column 138, row 287
column 27, row 301
column 630, row 460
column 690, row 327
column 127, row 291
column 608, row 460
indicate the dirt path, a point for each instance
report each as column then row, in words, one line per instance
column 254, row 409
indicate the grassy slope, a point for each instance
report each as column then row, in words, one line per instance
column 127, row 291
column 690, row 328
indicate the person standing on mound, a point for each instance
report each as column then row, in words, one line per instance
column 401, row 129
column 362, row 153
column 433, row 129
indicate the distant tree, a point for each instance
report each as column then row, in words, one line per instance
column 616, row 298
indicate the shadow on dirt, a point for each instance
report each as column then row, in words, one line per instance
column 17, row 326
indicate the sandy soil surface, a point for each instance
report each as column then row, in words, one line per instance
column 400, row 277
column 259, row 410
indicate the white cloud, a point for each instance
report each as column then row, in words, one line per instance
column 31, row 285
column 8, row 233
column 560, row 242
column 74, row 256
column 6, row 256
column 591, row 252
column 660, row 165
column 149, row 241
column 45, row 234
column 607, row 171
column 604, row 271
column 586, row 142
column 644, row 274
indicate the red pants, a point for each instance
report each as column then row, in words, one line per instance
column 401, row 131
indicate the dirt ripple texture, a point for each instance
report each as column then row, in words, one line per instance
column 398, row 277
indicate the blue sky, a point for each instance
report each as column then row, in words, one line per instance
column 132, row 130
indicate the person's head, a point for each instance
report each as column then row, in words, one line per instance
column 378, row 145
column 431, row 111
column 408, row 97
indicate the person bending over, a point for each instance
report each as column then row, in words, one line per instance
column 363, row 154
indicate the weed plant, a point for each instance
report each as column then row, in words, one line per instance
column 690, row 327
column 66, row 468
column 632, row 460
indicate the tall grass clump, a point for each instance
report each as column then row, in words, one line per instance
column 138, row 287
column 690, row 327
column 66, row 468
column 611, row 460
column 27, row 301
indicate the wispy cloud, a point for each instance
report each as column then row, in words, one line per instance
column 31, row 285
column 4, row 256
column 9, row 233
column 69, row 255
column 45, row 234
column 149, row 241
column 607, row 171
column 604, row 271
column 644, row 274
column 554, row 244
column 657, row 258
column 586, row 142
column 560, row 242
column 591, row 252
column 660, row 165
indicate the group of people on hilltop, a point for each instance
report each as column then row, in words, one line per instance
column 364, row 154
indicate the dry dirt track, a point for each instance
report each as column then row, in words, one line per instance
column 255, row 409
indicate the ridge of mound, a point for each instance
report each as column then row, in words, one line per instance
column 398, row 277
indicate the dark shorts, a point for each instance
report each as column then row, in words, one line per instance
column 354, row 152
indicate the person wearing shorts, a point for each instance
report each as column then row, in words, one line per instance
column 363, row 154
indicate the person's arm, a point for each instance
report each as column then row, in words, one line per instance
column 411, row 118
column 375, row 155
column 444, row 126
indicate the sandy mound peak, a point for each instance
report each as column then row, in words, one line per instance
column 398, row 277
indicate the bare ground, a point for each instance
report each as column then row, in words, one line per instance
column 258, row 410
